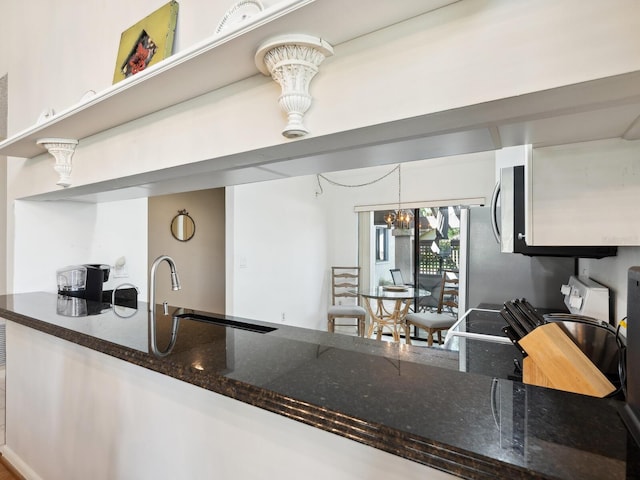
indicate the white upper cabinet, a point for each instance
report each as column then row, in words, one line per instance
column 584, row 194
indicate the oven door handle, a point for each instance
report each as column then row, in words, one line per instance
column 494, row 211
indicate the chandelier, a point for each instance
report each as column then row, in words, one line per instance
column 399, row 218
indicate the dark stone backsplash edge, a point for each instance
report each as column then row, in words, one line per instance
column 418, row 449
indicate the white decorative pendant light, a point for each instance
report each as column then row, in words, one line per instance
column 292, row 61
column 62, row 150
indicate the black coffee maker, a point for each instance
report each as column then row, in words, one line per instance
column 83, row 281
column 96, row 276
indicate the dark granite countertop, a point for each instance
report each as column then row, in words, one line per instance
column 410, row 401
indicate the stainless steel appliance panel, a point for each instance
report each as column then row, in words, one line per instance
column 495, row 277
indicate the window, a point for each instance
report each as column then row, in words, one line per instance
column 382, row 244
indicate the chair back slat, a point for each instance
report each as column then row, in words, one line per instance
column 345, row 282
column 448, row 292
column 346, row 294
column 346, row 275
column 396, row 276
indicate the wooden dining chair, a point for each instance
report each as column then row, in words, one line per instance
column 443, row 318
column 398, row 279
column 396, row 276
column 345, row 301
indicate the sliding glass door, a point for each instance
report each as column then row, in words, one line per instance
column 418, row 251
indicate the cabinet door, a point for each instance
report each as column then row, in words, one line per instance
column 584, row 194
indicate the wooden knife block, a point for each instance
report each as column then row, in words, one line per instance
column 555, row 361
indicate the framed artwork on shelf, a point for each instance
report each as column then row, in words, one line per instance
column 147, row 42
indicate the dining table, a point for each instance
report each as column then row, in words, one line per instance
column 388, row 306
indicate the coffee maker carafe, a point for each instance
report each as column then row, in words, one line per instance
column 83, row 281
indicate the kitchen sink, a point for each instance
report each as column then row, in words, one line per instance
column 226, row 322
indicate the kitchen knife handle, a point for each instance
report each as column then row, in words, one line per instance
column 520, row 325
column 514, row 339
column 527, row 316
column 513, row 323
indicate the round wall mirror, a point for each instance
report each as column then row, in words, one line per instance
column 183, row 228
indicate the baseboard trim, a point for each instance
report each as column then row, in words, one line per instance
column 18, row 467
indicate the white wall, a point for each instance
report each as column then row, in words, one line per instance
column 447, row 59
column 280, row 245
column 53, row 235
column 63, row 30
column 612, row 272
column 49, row 235
column 287, row 238
column 4, row 80
column 470, row 52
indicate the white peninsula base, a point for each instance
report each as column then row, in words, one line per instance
column 74, row 413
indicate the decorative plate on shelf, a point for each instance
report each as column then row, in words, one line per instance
column 396, row 288
column 239, row 13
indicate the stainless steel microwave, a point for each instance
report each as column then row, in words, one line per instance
column 508, row 221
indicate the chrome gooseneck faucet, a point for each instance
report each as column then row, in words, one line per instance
column 175, row 281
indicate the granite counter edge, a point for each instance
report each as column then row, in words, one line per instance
column 443, row 457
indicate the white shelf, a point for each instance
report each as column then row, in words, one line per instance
column 219, row 61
